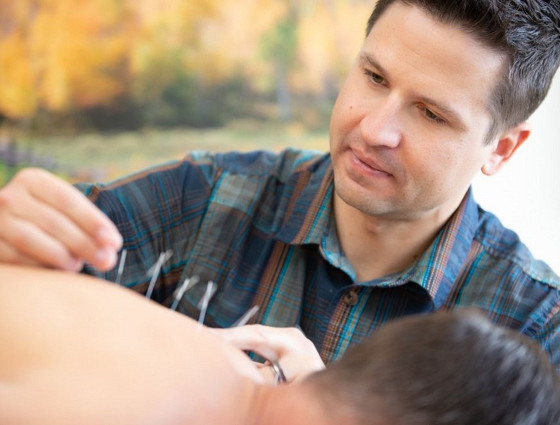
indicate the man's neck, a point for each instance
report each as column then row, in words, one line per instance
column 377, row 247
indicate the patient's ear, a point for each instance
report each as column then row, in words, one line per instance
column 505, row 147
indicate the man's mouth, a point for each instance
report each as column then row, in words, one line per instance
column 368, row 164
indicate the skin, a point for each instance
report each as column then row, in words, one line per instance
column 79, row 350
column 47, row 222
column 296, row 354
column 408, row 135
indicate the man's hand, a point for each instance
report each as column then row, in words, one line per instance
column 45, row 221
column 296, row 355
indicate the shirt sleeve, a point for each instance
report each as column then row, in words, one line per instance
column 543, row 325
column 549, row 334
column 155, row 211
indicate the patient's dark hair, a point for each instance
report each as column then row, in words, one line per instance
column 444, row 369
column 525, row 32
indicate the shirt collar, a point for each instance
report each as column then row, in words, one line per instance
column 439, row 267
column 306, row 218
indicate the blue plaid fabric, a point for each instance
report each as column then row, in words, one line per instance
column 261, row 226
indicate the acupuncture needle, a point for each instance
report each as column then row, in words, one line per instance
column 121, row 267
column 203, row 305
column 155, row 269
column 187, row 284
column 243, row 320
column 279, row 376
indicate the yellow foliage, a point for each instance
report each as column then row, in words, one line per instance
column 78, row 46
column 210, row 39
column 17, row 94
column 165, row 32
column 231, row 40
column 63, row 54
column 329, row 38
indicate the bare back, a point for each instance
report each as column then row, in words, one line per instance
column 80, row 350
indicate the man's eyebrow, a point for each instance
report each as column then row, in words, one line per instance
column 452, row 114
column 448, row 111
column 366, row 58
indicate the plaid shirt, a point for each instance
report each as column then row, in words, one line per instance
column 261, row 226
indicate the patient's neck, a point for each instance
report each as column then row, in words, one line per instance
column 294, row 404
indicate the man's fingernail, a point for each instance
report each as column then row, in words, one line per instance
column 106, row 257
column 74, row 265
column 113, row 239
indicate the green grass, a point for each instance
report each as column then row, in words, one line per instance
column 106, row 157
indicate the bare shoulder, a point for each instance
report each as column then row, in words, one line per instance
column 102, row 354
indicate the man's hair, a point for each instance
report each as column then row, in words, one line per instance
column 443, row 369
column 525, row 32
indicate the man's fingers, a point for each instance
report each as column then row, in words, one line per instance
column 29, row 243
column 71, row 202
column 288, row 347
column 266, row 372
column 259, row 337
column 77, row 242
column 48, row 220
column 254, row 338
column 11, row 256
column 69, row 240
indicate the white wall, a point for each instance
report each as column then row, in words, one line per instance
column 525, row 194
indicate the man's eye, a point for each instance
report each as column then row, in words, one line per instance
column 431, row 116
column 375, row 78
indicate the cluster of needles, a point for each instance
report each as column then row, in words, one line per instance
column 189, row 283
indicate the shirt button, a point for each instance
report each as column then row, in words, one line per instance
column 351, row 297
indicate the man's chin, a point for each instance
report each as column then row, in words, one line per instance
column 365, row 202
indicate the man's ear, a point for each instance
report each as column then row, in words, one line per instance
column 505, row 147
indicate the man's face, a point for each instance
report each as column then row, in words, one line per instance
column 409, row 125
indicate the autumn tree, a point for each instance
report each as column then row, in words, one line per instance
column 173, row 60
column 61, row 54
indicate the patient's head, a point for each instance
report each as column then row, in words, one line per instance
column 444, row 369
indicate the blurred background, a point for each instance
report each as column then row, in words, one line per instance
column 94, row 89
column 103, row 86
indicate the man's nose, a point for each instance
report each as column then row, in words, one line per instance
column 381, row 126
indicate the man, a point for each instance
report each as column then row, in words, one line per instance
column 76, row 350
column 382, row 227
